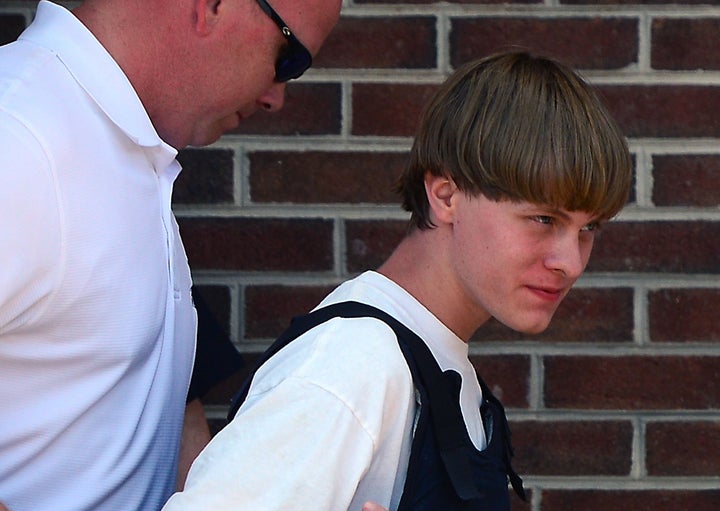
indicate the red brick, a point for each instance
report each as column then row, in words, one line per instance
column 310, row 109
column 269, row 309
column 581, row 317
column 632, row 2
column 508, row 377
column 625, row 500
column 570, row 448
column 207, row 177
column 632, row 197
column 682, row 43
column 380, row 42
column 658, row 246
column 369, row 243
column 517, row 504
column 632, row 382
column 325, row 177
column 686, row 180
column 388, row 109
column 509, row 2
column 258, row 244
column 584, row 43
column 684, row 315
column 665, row 110
column 683, row 448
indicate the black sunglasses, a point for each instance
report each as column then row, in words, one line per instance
column 294, row 59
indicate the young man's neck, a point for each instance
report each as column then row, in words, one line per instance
column 419, row 266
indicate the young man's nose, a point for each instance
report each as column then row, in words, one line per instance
column 568, row 255
column 274, row 98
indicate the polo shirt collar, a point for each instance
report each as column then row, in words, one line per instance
column 95, row 71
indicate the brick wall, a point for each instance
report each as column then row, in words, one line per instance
column 616, row 406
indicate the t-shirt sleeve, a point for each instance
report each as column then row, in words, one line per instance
column 313, row 426
column 299, row 447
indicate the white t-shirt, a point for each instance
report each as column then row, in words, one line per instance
column 97, row 326
column 327, row 423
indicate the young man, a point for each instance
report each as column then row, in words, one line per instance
column 515, row 167
column 97, row 327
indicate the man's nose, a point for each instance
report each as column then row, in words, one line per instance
column 568, row 255
column 274, row 98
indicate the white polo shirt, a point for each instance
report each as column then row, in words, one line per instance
column 97, row 328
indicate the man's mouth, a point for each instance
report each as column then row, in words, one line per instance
column 547, row 293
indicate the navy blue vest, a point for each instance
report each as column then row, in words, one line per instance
column 445, row 471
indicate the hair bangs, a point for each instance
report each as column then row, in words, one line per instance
column 519, row 127
column 563, row 154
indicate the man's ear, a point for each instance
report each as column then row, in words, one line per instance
column 440, row 192
column 205, row 15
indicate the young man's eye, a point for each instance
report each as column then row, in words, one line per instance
column 548, row 220
column 592, row 227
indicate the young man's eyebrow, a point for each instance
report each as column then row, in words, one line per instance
column 561, row 213
column 545, row 209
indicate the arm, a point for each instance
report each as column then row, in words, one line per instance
column 321, row 430
column 297, row 448
column 368, row 506
column 216, row 359
column 195, row 436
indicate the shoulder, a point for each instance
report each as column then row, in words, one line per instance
column 355, row 360
column 338, row 348
column 360, row 345
column 29, row 188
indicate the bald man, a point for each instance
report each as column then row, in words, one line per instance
column 97, row 325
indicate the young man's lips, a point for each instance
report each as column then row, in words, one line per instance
column 547, row 293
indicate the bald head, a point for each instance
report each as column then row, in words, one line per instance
column 311, row 20
column 202, row 66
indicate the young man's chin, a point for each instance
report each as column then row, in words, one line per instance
column 529, row 327
column 538, row 330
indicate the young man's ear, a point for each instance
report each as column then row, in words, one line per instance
column 440, row 192
column 206, row 13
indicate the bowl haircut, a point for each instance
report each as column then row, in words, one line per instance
column 519, row 127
